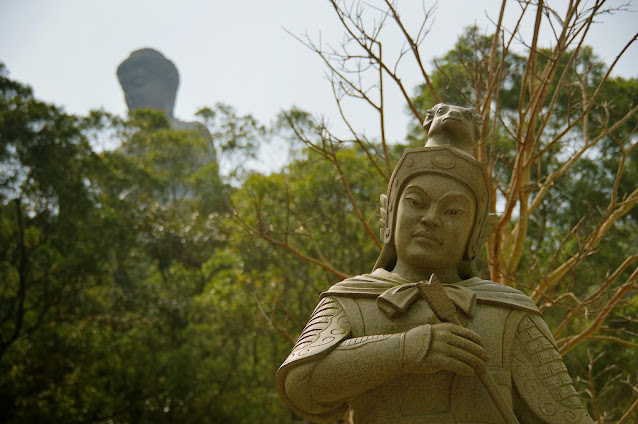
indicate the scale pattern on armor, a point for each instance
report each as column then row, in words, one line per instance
column 327, row 327
column 542, row 377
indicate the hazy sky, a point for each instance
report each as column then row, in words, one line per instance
column 235, row 52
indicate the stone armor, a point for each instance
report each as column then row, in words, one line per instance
column 524, row 359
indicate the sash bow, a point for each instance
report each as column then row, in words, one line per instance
column 398, row 299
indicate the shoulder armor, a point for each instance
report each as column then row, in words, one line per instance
column 492, row 293
column 328, row 326
column 540, row 376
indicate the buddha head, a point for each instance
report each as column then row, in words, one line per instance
column 149, row 80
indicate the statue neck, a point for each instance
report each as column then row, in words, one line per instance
column 414, row 274
column 448, row 139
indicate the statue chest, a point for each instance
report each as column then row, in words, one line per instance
column 441, row 397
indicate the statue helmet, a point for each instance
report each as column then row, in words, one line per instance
column 450, row 160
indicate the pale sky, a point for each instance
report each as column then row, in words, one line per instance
column 236, row 52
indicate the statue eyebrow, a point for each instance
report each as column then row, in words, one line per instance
column 447, row 197
column 417, row 188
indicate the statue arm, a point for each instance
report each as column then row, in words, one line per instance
column 328, row 326
column 356, row 365
column 328, row 368
column 544, row 392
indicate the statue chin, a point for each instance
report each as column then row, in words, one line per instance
column 150, row 99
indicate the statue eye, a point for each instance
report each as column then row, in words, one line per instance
column 413, row 202
column 439, row 111
column 453, row 212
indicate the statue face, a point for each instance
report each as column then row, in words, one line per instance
column 435, row 216
column 145, row 90
column 453, row 120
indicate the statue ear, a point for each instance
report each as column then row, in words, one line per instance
column 429, row 116
column 384, row 208
column 427, row 123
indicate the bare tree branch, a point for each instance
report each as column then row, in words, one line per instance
column 565, row 345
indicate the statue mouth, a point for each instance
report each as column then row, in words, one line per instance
column 428, row 237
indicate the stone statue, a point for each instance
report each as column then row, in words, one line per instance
column 422, row 339
column 150, row 80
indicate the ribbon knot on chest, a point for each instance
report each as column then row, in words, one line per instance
column 398, row 299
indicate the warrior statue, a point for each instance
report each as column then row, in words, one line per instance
column 422, row 339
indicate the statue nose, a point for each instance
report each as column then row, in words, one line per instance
column 430, row 218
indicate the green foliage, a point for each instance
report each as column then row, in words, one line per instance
column 118, row 300
column 237, row 137
column 49, row 255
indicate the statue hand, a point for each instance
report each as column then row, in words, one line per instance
column 443, row 347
